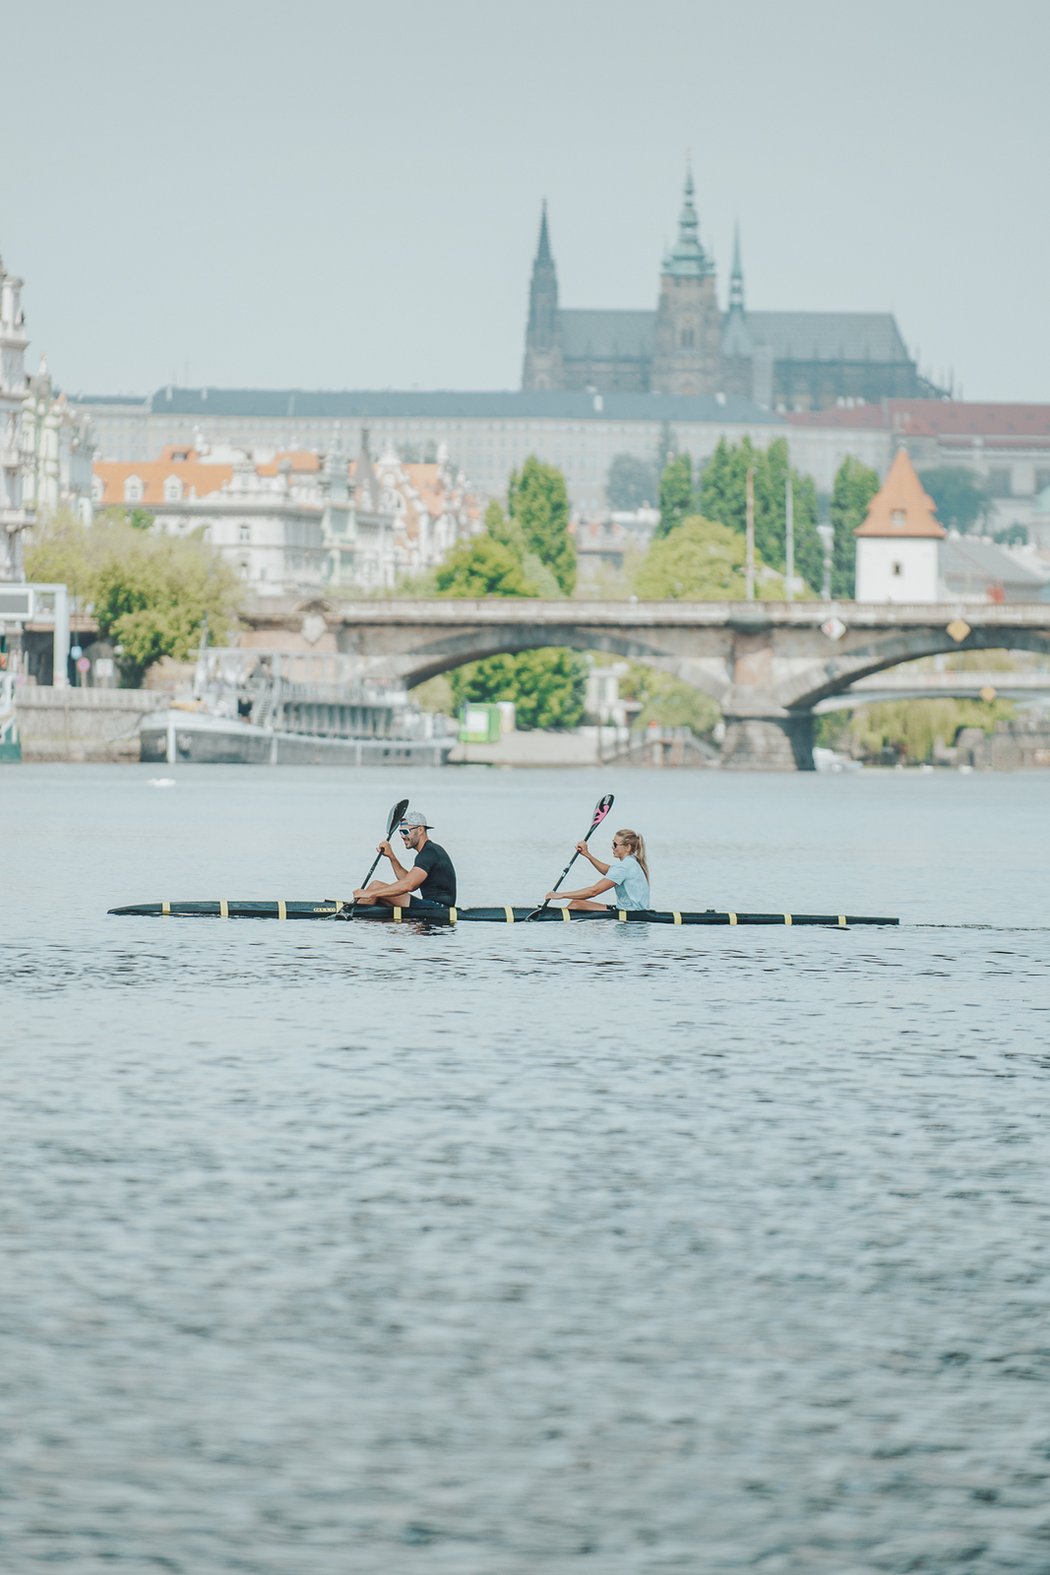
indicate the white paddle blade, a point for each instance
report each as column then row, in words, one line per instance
column 395, row 815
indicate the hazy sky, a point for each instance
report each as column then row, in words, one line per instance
column 347, row 195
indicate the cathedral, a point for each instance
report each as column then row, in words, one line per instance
column 689, row 346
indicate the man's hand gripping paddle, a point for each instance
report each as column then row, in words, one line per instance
column 348, row 911
column 601, row 809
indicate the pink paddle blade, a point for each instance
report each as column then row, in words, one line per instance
column 604, row 806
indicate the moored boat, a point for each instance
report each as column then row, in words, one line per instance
column 333, row 908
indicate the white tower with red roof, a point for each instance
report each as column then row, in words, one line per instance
column 899, row 544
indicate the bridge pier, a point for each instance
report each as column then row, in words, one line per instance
column 777, row 741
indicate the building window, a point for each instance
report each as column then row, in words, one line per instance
column 898, row 569
column 999, row 483
column 172, row 489
column 897, row 519
column 244, row 534
column 686, row 340
column 133, row 490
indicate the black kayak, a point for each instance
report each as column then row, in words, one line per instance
column 330, row 908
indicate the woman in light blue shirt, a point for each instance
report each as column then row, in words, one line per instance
column 627, row 877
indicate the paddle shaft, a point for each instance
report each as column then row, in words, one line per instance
column 395, row 815
column 604, row 806
column 546, row 901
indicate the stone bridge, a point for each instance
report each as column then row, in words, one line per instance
column 767, row 664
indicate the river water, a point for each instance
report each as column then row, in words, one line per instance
column 338, row 1248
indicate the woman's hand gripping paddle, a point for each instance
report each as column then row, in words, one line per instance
column 396, row 813
column 601, row 809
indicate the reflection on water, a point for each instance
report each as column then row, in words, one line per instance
column 505, row 1249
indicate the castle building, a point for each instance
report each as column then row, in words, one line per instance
column 689, row 347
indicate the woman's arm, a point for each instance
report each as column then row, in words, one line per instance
column 588, row 891
column 581, row 847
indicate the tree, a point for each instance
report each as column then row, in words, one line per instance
column 723, row 497
column 701, row 560
column 547, row 686
column 150, row 594
column 538, row 501
column 483, row 567
column 722, row 490
column 631, row 483
column 676, row 493
column 912, row 729
column 961, row 498
column 667, row 700
column 855, row 486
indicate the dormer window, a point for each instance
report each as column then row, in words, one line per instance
column 897, row 519
column 133, row 489
column 172, row 490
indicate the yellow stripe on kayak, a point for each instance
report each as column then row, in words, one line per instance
column 621, row 915
column 678, row 918
column 165, row 908
column 282, row 909
column 842, row 921
column 397, row 915
column 224, row 909
column 509, row 911
column 787, row 918
column 732, row 918
column 452, row 915
column 566, row 915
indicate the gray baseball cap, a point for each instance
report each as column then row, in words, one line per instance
column 416, row 819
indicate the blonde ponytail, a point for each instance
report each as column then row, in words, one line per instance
column 636, row 846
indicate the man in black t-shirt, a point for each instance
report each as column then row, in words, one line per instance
column 430, row 883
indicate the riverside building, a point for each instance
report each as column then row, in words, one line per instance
column 285, row 520
column 15, row 514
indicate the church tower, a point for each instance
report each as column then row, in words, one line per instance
column 687, row 341
column 543, row 358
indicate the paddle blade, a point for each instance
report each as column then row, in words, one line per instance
column 395, row 816
column 602, row 808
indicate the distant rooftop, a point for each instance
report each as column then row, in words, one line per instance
column 445, row 404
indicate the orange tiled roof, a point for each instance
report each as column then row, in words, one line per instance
column 901, row 508
column 197, row 475
column 200, row 477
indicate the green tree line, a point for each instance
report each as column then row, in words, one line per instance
column 150, row 594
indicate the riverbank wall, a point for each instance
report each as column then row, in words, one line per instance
column 83, row 724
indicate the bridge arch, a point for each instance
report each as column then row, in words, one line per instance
column 710, row 675
column 803, row 690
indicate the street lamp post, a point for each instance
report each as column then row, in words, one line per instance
column 749, row 550
column 826, row 532
column 789, row 540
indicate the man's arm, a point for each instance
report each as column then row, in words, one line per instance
column 409, row 880
column 399, row 869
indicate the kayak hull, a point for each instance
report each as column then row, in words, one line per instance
column 330, row 908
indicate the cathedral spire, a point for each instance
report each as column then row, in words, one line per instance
column 542, row 350
column 687, row 258
column 736, row 278
column 543, row 250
